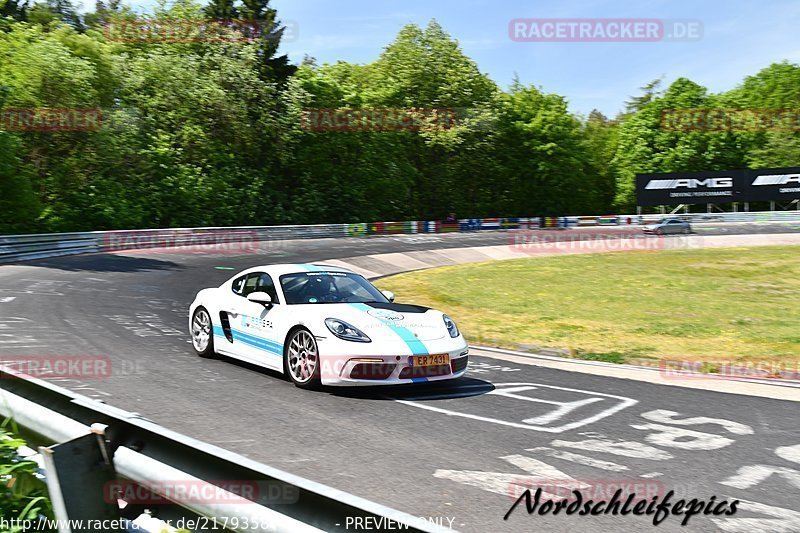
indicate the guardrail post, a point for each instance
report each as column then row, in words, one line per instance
column 78, row 472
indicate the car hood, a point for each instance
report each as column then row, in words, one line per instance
column 383, row 321
column 652, row 226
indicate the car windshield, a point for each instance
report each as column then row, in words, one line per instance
column 329, row 287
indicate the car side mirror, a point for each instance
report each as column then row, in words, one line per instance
column 389, row 295
column 260, row 298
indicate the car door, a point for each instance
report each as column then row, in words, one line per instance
column 674, row 226
column 252, row 324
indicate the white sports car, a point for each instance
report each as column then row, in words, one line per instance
column 325, row 325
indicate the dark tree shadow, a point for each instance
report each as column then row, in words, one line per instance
column 103, row 263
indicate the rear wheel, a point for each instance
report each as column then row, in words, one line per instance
column 202, row 333
column 302, row 359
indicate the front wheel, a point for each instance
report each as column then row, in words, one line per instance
column 202, row 333
column 301, row 360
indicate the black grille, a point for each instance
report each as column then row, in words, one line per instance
column 459, row 364
column 424, row 371
column 372, row 371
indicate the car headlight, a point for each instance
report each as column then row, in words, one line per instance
column 345, row 331
column 452, row 329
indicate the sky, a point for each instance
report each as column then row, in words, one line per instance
column 739, row 37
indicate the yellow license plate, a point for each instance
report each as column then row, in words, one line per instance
column 430, row 360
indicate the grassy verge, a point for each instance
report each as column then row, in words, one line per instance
column 735, row 304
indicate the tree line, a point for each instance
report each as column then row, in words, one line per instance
column 198, row 132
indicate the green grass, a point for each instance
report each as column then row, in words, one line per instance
column 710, row 305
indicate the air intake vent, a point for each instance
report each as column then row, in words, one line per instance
column 226, row 325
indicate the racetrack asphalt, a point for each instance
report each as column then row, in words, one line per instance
column 458, row 451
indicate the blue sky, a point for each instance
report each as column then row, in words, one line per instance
column 739, row 38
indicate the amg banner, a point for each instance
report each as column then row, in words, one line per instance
column 718, row 187
column 780, row 184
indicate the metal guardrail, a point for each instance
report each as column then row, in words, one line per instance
column 145, row 453
column 16, row 248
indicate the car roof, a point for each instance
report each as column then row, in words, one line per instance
column 292, row 268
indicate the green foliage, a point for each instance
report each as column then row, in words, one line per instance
column 644, row 145
column 23, row 495
column 211, row 133
column 602, row 139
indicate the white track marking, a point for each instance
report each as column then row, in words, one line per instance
column 13, row 339
column 563, row 409
column 91, row 391
column 750, row 476
column 651, row 475
column 668, row 417
column 7, row 299
column 668, row 436
column 621, row 403
column 580, row 459
column 13, row 320
column 539, row 473
column 145, row 325
column 477, row 367
column 784, row 521
column 39, row 286
column 21, row 336
column 632, row 449
column 413, row 239
column 758, row 388
column 790, row 453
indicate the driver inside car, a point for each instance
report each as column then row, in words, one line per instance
column 319, row 289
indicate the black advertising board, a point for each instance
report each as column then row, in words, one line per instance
column 773, row 184
column 718, row 187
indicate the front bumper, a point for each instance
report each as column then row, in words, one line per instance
column 389, row 370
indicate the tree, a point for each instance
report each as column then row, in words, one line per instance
column 428, row 68
column 648, row 145
column 15, row 9
column 212, row 133
column 46, row 12
column 548, row 170
column 19, row 208
column 272, row 67
column 601, row 145
column 770, row 92
column 649, row 92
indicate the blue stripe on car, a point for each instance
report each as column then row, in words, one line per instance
column 251, row 340
column 414, row 344
column 313, row 268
